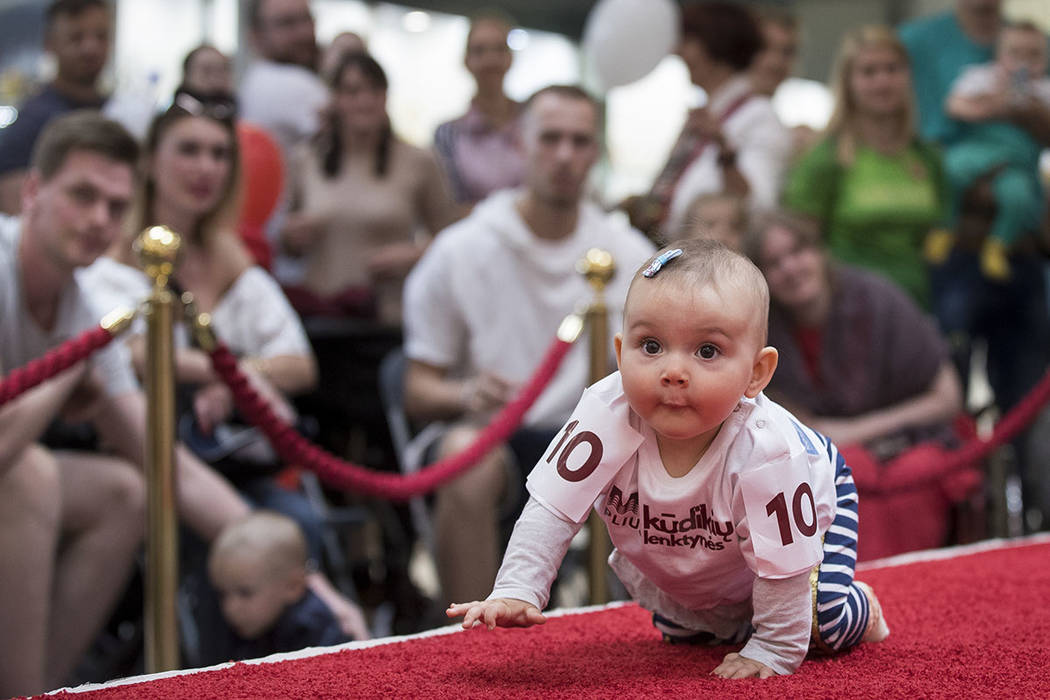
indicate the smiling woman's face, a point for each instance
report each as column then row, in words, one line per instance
column 795, row 270
column 192, row 165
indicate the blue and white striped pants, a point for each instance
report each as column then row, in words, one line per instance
column 840, row 608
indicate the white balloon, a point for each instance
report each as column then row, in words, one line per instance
column 624, row 40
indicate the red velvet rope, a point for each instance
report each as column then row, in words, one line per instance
column 56, row 360
column 340, row 474
column 1017, row 419
column 927, row 464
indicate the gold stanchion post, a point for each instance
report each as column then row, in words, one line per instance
column 598, row 267
column 157, row 248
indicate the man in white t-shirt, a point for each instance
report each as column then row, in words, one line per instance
column 78, row 189
column 282, row 93
column 483, row 305
column 281, row 90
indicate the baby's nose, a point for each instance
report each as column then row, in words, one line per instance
column 674, row 376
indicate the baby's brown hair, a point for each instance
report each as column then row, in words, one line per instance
column 699, row 262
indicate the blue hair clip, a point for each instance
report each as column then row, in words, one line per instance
column 661, row 260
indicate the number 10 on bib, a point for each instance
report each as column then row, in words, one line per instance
column 782, row 517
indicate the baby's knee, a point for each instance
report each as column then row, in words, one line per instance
column 1014, row 189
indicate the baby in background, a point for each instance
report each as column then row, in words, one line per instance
column 258, row 567
column 732, row 522
column 716, row 216
column 993, row 100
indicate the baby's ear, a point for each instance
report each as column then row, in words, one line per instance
column 295, row 588
column 618, row 346
column 762, row 371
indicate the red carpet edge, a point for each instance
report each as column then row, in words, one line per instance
column 984, row 629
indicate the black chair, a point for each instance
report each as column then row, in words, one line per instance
column 410, row 446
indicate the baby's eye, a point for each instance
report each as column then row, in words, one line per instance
column 650, row 346
column 707, row 351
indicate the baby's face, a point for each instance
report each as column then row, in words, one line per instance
column 688, row 354
column 1021, row 49
column 252, row 595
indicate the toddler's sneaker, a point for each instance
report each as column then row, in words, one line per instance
column 877, row 628
column 938, row 245
column 994, row 263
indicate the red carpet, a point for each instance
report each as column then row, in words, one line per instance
column 976, row 623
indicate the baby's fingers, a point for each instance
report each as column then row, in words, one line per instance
column 534, row 616
column 492, row 615
column 471, row 611
column 472, row 618
column 457, row 609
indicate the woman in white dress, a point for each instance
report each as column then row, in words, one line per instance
column 190, row 184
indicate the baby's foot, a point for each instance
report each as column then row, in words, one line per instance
column 877, row 629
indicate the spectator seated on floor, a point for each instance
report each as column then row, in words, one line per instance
column 258, row 567
column 861, row 364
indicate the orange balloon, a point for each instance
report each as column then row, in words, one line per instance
column 262, row 173
column 262, row 169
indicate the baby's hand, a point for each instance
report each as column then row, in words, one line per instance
column 499, row 612
column 736, row 666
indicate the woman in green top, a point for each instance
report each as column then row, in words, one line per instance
column 873, row 186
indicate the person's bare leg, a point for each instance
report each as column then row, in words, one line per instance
column 466, row 523
column 29, row 523
column 103, row 523
column 207, row 502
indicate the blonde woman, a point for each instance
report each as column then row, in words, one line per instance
column 872, row 185
column 190, row 183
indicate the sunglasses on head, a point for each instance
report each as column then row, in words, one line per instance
column 223, row 109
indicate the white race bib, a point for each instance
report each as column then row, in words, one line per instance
column 782, row 516
column 583, row 458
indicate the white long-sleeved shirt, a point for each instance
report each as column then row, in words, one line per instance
column 709, row 550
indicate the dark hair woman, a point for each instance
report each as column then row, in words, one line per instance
column 735, row 143
column 366, row 203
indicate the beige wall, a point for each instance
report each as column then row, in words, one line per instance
column 1037, row 11
column 823, row 23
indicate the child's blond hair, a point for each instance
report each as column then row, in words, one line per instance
column 692, row 221
column 276, row 538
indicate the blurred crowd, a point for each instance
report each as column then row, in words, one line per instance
column 363, row 281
